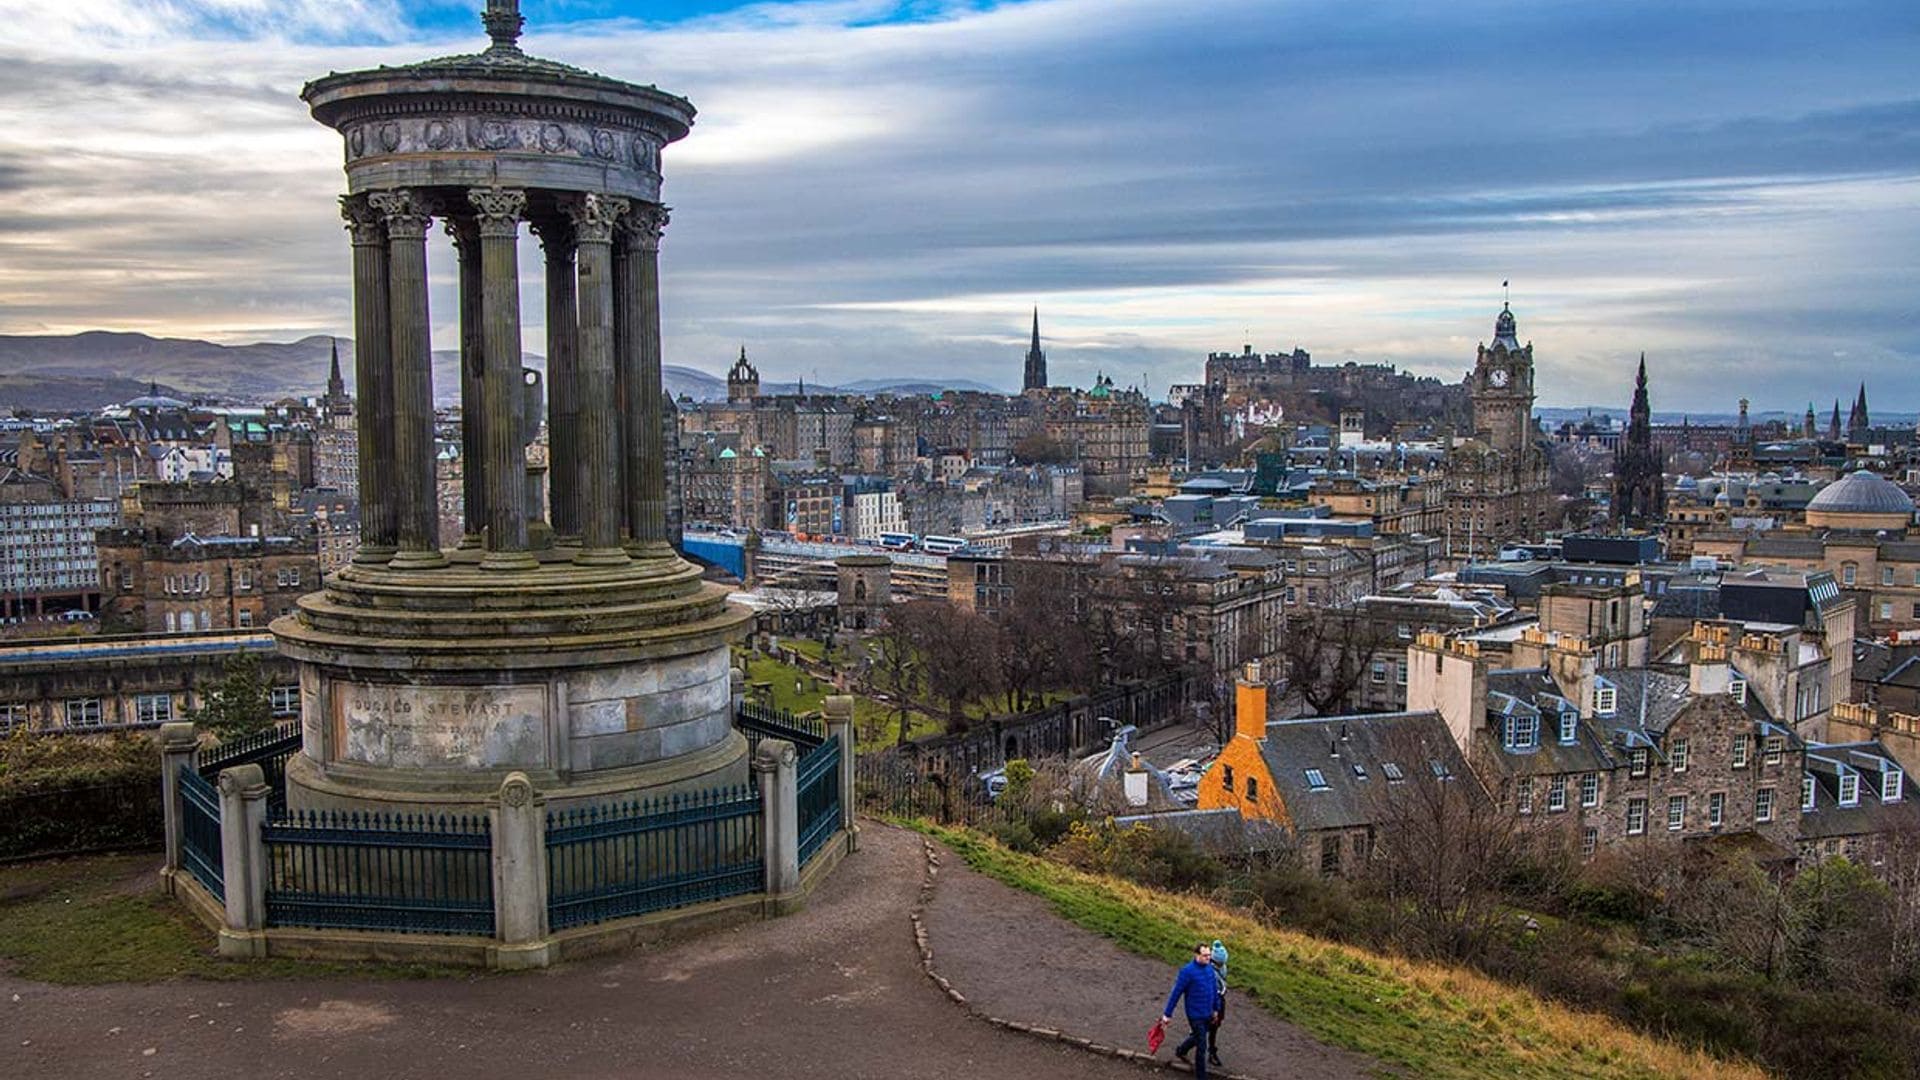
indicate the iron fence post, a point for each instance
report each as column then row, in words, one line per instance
column 177, row 743
column 839, row 710
column 774, row 768
column 519, row 821
column 243, row 855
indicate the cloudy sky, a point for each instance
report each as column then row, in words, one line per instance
column 886, row 187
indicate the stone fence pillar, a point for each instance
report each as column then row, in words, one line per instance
column 178, row 741
column 774, row 767
column 839, row 710
column 243, row 859
column 519, row 819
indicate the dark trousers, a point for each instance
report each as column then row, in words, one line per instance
column 1197, row 1042
column 1213, row 1029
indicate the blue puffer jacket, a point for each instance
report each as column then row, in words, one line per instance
column 1202, row 989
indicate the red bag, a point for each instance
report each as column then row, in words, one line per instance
column 1156, row 1035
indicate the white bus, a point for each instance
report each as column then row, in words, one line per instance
column 898, row 541
column 941, row 545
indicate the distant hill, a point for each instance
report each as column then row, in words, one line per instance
column 99, row 368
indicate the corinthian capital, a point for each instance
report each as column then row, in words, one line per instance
column 463, row 229
column 645, row 224
column 363, row 221
column 498, row 209
column 594, row 216
column 405, row 213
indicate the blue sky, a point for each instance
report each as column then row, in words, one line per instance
column 879, row 188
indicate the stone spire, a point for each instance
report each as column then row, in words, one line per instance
column 1809, row 428
column 1640, row 416
column 1036, row 376
column 1833, row 425
column 1857, row 424
column 1639, row 480
column 336, row 386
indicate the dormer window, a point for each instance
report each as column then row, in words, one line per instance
column 1569, row 726
column 1776, row 746
column 1893, row 785
column 1849, row 789
column 1806, row 793
column 1606, row 699
column 1394, row 775
column 1523, row 731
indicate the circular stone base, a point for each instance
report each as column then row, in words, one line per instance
column 422, row 690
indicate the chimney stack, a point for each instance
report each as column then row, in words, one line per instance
column 1250, row 703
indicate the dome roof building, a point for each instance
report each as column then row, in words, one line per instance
column 1861, row 500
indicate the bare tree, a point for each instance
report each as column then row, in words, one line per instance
column 1044, row 641
column 1445, row 852
column 1324, row 655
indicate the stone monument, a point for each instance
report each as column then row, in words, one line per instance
column 581, row 651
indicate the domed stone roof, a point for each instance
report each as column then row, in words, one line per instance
column 1861, row 492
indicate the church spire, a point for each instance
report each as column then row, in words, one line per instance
column 1036, row 373
column 336, row 384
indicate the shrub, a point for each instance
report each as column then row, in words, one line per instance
column 61, row 794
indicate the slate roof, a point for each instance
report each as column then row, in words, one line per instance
column 1532, row 691
column 1351, row 755
column 1647, row 698
column 1869, row 762
column 1218, row 832
column 1787, row 547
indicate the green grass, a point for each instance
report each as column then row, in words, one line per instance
column 103, row 919
column 876, row 724
column 1424, row 1019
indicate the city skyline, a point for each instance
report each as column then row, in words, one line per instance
column 1709, row 190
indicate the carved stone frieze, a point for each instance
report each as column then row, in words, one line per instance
column 622, row 148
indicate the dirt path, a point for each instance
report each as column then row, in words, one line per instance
column 1014, row 958
column 834, row 992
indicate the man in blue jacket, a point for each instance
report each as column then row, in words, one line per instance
column 1201, row 987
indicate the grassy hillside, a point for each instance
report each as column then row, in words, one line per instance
column 1423, row 1019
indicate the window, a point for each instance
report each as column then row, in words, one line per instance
column 1556, row 794
column 1316, row 780
column 1636, row 816
column 1740, row 748
column 1776, row 746
column 1440, row 770
column 243, row 580
column 1893, row 785
column 1359, row 771
column 1605, row 700
column 1253, row 789
column 1677, row 755
column 1569, row 725
column 1737, row 687
column 285, row 700
column 1589, row 842
column 1806, row 792
column 1886, row 575
column 1394, row 775
column 12, row 716
column 1379, row 672
column 1523, row 731
column 245, row 618
column 1850, row 789
column 1763, row 805
column 1717, row 809
column 1676, row 812
column 1523, row 794
column 1590, row 789
column 1226, row 777
column 1400, row 673
column 152, row 708
column 1638, row 762
column 1886, row 609
column 84, row 712
column 1329, row 855
column 1848, row 571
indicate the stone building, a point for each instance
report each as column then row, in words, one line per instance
column 49, row 561
column 137, row 682
column 1497, row 489
column 190, row 583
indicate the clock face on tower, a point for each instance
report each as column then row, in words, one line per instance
column 1498, row 377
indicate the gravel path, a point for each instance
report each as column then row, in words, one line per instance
column 833, row 992
column 1014, row 958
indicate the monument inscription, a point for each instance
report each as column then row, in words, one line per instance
column 441, row 727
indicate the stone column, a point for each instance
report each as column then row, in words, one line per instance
column 564, row 477
column 519, row 819
column 774, row 770
column 646, row 460
column 243, row 860
column 373, row 381
column 178, row 741
column 473, row 497
column 503, row 457
column 416, row 503
column 593, row 218
column 839, row 711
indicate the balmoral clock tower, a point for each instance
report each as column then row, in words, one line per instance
column 1497, row 488
column 1503, row 392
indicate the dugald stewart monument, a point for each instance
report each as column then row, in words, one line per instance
column 567, row 642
